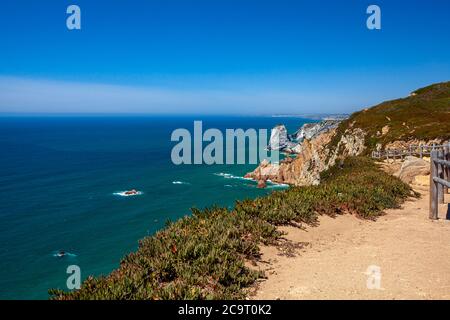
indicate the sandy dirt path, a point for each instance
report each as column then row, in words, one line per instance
column 412, row 252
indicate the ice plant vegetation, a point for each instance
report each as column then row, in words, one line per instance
column 202, row 256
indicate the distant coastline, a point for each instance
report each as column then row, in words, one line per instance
column 312, row 116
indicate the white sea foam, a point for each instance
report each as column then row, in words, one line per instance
column 275, row 185
column 270, row 184
column 180, row 182
column 230, row 176
column 66, row 254
column 124, row 194
column 278, row 186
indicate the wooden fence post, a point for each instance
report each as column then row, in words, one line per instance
column 445, row 168
column 447, row 157
column 433, row 187
column 440, row 174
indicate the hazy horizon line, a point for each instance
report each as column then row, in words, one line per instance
column 129, row 114
column 20, row 95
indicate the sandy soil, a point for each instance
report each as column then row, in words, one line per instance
column 331, row 261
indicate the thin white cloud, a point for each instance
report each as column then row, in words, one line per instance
column 22, row 95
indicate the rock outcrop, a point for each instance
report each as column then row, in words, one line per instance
column 315, row 155
column 411, row 168
column 351, row 143
column 280, row 140
column 395, row 124
column 311, row 130
column 261, row 184
column 265, row 171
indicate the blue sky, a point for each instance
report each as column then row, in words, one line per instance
column 217, row 57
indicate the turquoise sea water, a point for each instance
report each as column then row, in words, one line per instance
column 59, row 176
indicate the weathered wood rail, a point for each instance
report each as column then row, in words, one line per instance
column 439, row 178
column 439, row 169
column 412, row 150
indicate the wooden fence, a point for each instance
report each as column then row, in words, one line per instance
column 412, row 150
column 439, row 178
column 439, row 169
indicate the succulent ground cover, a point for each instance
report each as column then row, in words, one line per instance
column 203, row 255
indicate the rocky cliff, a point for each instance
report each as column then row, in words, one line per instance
column 421, row 118
column 311, row 130
column 280, row 139
column 313, row 156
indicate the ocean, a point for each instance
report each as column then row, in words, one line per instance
column 60, row 184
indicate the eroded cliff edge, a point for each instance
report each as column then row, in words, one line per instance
column 313, row 156
column 421, row 118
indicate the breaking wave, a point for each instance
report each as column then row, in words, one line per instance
column 180, row 182
column 230, row 176
column 124, row 194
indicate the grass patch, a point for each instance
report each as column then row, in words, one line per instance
column 424, row 115
column 203, row 256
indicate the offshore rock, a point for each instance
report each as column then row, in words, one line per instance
column 311, row 130
column 280, row 140
column 315, row 155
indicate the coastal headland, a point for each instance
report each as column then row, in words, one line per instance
column 343, row 213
